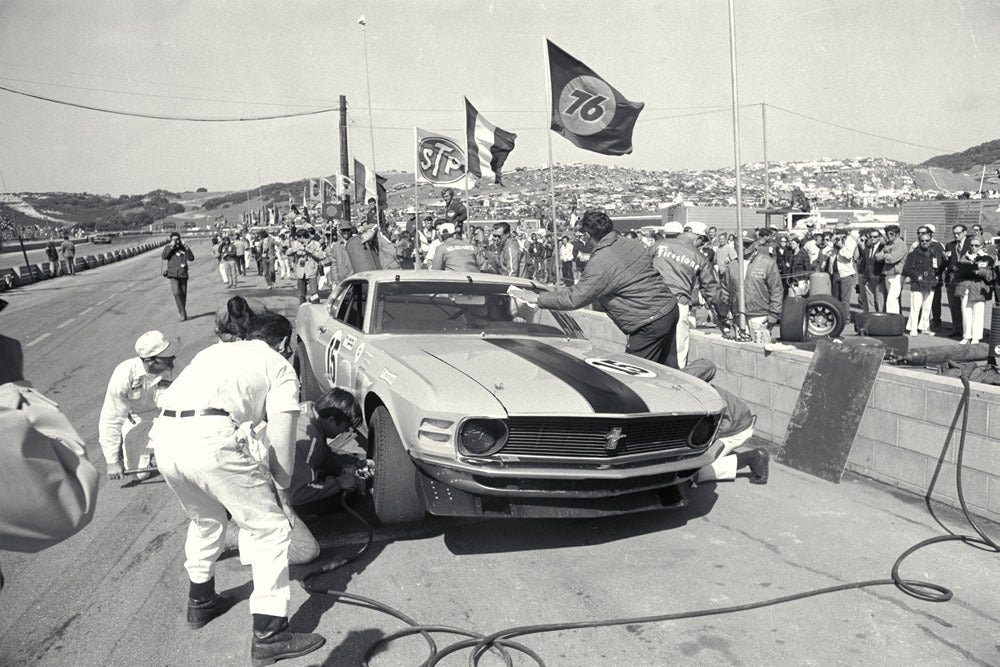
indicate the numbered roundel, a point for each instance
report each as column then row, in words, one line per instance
column 620, row 367
column 586, row 105
column 440, row 160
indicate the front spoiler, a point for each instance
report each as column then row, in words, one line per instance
column 447, row 492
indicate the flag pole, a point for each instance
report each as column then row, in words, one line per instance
column 371, row 121
column 416, row 208
column 548, row 135
column 740, row 291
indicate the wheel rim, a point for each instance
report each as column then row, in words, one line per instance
column 821, row 319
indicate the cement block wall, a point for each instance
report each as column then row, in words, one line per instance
column 909, row 416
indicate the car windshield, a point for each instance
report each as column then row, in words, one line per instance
column 457, row 308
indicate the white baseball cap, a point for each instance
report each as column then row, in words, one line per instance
column 154, row 344
column 696, row 227
column 673, row 228
column 446, row 228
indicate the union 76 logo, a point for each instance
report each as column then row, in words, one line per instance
column 586, row 105
column 440, row 160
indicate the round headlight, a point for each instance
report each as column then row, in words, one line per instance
column 701, row 434
column 481, row 437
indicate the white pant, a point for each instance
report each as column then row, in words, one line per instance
column 920, row 310
column 972, row 319
column 894, row 288
column 210, row 472
column 759, row 330
column 223, row 273
column 683, row 330
column 724, row 467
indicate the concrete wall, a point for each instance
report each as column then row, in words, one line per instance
column 907, row 421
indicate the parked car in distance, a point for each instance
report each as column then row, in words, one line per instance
column 477, row 404
column 101, row 238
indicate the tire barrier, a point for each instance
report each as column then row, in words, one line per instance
column 25, row 275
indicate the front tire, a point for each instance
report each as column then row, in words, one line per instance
column 394, row 493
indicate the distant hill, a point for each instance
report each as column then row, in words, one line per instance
column 969, row 160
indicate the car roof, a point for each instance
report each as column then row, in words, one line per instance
column 429, row 275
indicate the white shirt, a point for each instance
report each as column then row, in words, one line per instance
column 131, row 390
column 566, row 252
column 845, row 257
column 247, row 379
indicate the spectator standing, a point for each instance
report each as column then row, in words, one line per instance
column 227, row 260
column 725, row 252
column 893, row 254
column 936, row 294
column 621, row 278
column 974, row 275
column 566, row 256
column 68, row 250
column 53, row 254
column 510, row 257
column 871, row 283
column 305, row 254
column 799, row 266
column 844, row 266
column 267, row 255
column 177, row 256
column 954, row 250
column 583, row 246
column 762, row 291
column 922, row 267
column 455, row 211
column 241, row 249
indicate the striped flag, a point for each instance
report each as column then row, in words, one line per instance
column 368, row 184
column 586, row 109
column 487, row 143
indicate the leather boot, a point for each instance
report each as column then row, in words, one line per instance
column 273, row 641
column 202, row 604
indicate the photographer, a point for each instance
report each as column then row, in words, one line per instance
column 177, row 255
column 843, row 265
column 305, row 254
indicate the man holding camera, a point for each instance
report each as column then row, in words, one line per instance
column 177, row 255
column 305, row 254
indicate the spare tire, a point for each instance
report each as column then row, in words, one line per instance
column 793, row 319
column 824, row 317
column 883, row 324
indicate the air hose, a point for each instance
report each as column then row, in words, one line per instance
column 502, row 642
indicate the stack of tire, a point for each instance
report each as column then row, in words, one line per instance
column 812, row 317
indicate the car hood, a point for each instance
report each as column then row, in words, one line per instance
column 565, row 377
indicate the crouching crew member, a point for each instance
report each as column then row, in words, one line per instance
column 620, row 276
column 135, row 387
column 735, row 429
column 209, row 472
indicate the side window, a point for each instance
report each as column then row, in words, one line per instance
column 352, row 305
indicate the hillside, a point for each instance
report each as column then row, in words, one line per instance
column 89, row 211
column 970, row 160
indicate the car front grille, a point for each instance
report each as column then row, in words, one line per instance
column 601, row 438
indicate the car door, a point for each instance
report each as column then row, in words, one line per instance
column 346, row 343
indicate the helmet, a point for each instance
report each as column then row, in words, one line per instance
column 673, row 228
column 696, row 227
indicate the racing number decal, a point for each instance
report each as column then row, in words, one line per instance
column 586, row 105
column 621, row 367
column 330, row 360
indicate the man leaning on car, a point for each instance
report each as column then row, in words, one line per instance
column 621, row 278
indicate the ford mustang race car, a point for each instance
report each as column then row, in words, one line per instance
column 478, row 404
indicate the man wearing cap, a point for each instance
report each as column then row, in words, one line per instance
column 135, row 387
column 685, row 270
column 620, row 276
column 762, row 290
column 211, row 472
column 455, row 253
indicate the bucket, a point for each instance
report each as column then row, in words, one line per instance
column 819, row 283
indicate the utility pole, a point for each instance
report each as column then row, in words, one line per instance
column 767, row 174
column 345, row 168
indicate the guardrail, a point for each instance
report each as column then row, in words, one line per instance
column 33, row 273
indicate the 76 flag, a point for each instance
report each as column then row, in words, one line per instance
column 586, row 109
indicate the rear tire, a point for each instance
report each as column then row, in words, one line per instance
column 309, row 388
column 793, row 313
column 824, row 317
column 395, row 492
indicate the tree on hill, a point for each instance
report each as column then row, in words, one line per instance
column 969, row 159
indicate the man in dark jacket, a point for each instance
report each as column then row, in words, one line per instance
column 871, row 284
column 177, row 255
column 621, row 278
column 762, row 291
column 922, row 266
column 954, row 251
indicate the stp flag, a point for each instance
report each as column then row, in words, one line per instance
column 586, row 109
column 439, row 160
column 487, row 143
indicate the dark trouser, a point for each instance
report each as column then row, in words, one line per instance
column 955, row 306
column 871, row 294
column 311, row 284
column 655, row 341
column 71, row 266
column 843, row 290
column 567, row 273
column 936, row 306
column 179, row 286
column 241, row 264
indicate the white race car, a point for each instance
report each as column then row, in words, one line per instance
column 478, row 404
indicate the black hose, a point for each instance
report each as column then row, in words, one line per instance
column 501, row 641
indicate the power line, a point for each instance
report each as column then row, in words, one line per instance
column 852, row 129
column 193, row 119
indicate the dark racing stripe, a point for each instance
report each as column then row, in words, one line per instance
column 604, row 392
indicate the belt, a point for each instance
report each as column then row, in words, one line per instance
column 204, row 412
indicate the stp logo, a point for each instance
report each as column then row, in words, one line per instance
column 440, row 160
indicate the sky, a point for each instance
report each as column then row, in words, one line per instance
column 919, row 74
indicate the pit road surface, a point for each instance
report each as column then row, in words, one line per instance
column 115, row 594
